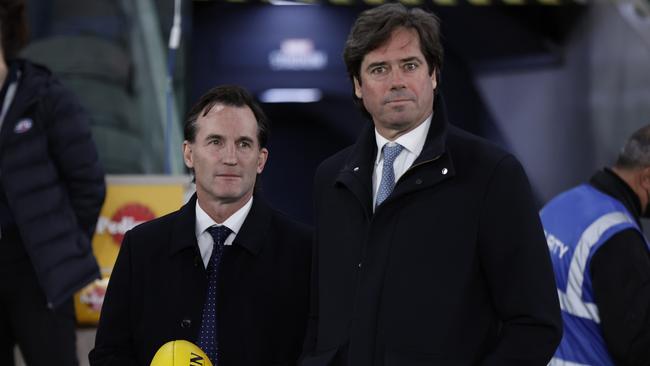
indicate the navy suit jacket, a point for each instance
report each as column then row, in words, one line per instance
column 158, row 285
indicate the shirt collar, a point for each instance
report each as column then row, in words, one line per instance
column 413, row 141
column 234, row 222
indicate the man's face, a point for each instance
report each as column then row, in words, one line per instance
column 395, row 84
column 225, row 155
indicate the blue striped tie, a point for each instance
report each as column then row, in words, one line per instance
column 208, row 333
column 388, row 173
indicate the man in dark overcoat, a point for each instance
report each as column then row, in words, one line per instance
column 428, row 250
column 226, row 271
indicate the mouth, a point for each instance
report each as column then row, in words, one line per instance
column 398, row 101
column 228, row 176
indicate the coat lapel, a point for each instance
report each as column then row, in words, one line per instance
column 248, row 244
column 183, row 232
column 26, row 96
column 251, row 236
column 191, row 282
column 356, row 174
column 434, row 164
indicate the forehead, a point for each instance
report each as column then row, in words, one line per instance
column 403, row 43
column 227, row 120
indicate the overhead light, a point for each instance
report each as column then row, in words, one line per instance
column 291, row 95
column 286, row 2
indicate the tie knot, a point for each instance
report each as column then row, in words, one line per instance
column 219, row 234
column 391, row 152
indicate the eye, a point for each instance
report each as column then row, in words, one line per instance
column 244, row 144
column 410, row 66
column 378, row 70
column 215, row 141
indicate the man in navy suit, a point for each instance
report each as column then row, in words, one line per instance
column 242, row 296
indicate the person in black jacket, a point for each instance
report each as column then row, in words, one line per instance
column 615, row 277
column 243, row 295
column 51, row 191
column 428, row 249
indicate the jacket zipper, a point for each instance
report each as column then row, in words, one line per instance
column 417, row 165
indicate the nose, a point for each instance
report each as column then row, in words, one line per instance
column 397, row 79
column 229, row 155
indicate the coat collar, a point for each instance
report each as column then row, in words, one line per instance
column 183, row 235
column 254, row 230
column 34, row 81
column 435, row 143
column 356, row 173
column 250, row 237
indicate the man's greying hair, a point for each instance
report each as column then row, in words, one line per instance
column 228, row 95
column 636, row 152
column 374, row 27
column 13, row 27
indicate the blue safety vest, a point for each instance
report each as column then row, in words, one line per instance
column 577, row 223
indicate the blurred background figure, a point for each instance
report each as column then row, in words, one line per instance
column 601, row 260
column 51, row 190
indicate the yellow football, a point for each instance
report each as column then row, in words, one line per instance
column 180, row 353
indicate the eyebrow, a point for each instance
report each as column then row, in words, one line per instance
column 413, row 58
column 375, row 64
column 245, row 138
column 212, row 136
column 217, row 136
column 384, row 63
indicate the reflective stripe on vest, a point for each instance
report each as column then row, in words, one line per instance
column 571, row 301
column 577, row 223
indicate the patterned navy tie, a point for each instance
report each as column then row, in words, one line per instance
column 388, row 173
column 208, row 332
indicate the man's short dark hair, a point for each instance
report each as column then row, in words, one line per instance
column 374, row 27
column 636, row 152
column 228, row 95
column 13, row 27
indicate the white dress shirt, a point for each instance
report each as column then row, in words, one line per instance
column 412, row 141
column 204, row 221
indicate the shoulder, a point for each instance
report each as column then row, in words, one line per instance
column 478, row 154
column 160, row 227
column 470, row 146
column 40, row 84
column 329, row 168
column 289, row 236
column 282, row 222
column 38, row 78
column 337, row 161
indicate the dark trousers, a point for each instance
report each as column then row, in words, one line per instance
column 45, row 336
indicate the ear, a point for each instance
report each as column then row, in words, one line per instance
column 434, row 79
column 357, row 88
column 261, row 159
column 645, row 178
column 187, row 154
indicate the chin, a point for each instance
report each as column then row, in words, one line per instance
column 399, row 125
column 228, row 196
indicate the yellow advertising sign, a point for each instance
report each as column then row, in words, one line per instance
column 130, row 201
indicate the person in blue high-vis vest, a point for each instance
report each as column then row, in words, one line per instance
column 601, row 259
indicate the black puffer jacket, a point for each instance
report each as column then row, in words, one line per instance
column 53, row 181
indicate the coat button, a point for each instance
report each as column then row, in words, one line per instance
column 418, row 181
column 444, row 171
column 186, row 323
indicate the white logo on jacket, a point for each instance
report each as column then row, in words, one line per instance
column 23, row 125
